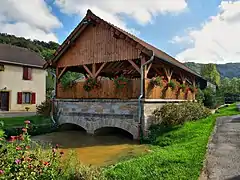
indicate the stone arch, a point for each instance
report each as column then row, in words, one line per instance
column 121, row 124
column 80, row 123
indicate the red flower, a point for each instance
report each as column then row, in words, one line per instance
column 27, row 147
column 61, row 152
column 27, row 122
column 28, row 159
column 24, row 130
column 46, row 163
column 18, row 148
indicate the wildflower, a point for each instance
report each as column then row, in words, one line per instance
column 30, row 166
column 61, row 152
column 28, row 159
column 24, row 130
column 17, row 161
column 54, row 150
column 1, row 171
column 1, row 139
column 21, row 138
column 27, row 122
column 27, row 147
column 18, row 148
column 46, row 163
column 57, row 145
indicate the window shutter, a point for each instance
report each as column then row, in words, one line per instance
column 29, row 73
column 33, row 99
column 19, row 97
column 25, row 73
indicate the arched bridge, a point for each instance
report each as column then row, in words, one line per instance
column 95, row 114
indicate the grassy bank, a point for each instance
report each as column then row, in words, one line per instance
column 176, row 154
column 19, row 121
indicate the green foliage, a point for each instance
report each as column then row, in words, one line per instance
column 21, row 158
column 120, row 82
column 172, row 84
column 181, row 158
column 174, row 114
column 156, row 81
column 44, row 108
column 210, row 100
column 210, row 72
column 67, row 80
column 200, row 96
column 90, row 84
column 17, row 161
column 183, row 87
column 229, row 70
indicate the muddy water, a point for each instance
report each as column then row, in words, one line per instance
column 97, row 150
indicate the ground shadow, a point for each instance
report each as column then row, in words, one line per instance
column 234, row 178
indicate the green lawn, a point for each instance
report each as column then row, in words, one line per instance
column 19, row 121
column 177, row 154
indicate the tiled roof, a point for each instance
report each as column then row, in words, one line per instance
column 20, row 56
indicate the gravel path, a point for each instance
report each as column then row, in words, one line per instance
column 223, row 156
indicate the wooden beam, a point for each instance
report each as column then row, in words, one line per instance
column 168, row 73
column 64, row 69
column 88, row 71
column 135, row 66
column 100, row 69
column 183, row 77
column 94, row 69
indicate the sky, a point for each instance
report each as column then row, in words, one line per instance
column 201, row 31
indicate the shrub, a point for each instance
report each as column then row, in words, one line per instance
column 120, row 81
column 20, row 158
column 44, row 109
column 210, row 100
column 175, row 114
column 172, row 84
column 90, row 84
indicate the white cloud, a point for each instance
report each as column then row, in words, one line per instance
column 110, row 10
column 218, row 40
column 29, row 18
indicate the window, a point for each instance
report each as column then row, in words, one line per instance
column 27, row 73
column 26, row 98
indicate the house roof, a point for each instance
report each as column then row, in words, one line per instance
column 20, row 56
column 90, row 15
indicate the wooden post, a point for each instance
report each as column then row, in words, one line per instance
column 94, row 70
column 194, row 86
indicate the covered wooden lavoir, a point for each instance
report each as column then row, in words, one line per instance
column 103, row 52
column 116, row 89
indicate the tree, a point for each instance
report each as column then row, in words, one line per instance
column 210, row 72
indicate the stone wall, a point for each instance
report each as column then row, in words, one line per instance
column 98, row 113
column 94, row 114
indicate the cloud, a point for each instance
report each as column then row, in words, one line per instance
column 141, row 11
column 218, row 40
column 30, row 18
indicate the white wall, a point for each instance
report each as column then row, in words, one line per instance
column 11, row 78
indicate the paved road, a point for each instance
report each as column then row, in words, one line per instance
column 16, row 114
column 223, row 158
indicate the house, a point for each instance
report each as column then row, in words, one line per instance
column 22, row 79
column 103, row 52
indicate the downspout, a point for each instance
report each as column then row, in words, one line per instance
column 53, row 97
column 141, row 92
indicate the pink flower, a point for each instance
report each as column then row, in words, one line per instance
column 18, row 148
column 24, row 130
column 17, row 161
column 54, row 150
column 27, row 122
column 1, row 139
column 1, row 171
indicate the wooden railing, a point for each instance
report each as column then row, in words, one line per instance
column 107, row 90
